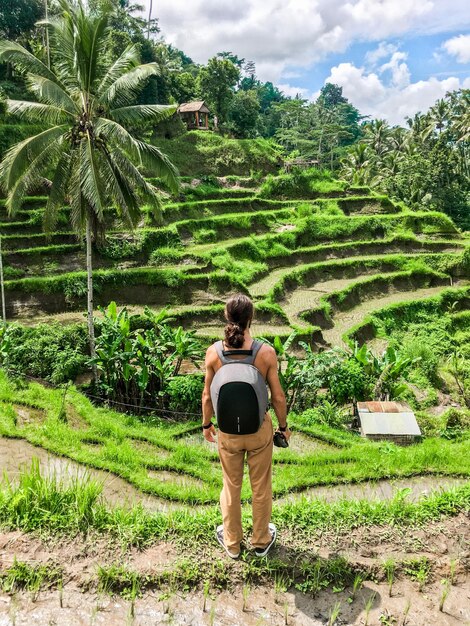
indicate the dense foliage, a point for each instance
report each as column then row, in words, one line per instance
column 424, row 165
column 137, row 365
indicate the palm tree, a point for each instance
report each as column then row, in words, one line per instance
column 86, row 157
column 439, row 115
column 377, row 135
column 356, row 165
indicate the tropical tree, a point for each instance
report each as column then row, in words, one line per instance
column 217, row 81
column 86, row 157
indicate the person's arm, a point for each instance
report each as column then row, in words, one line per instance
column 207, row 408
column 278, row 398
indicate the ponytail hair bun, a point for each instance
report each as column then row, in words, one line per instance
column 234, row 335
column 239, row 313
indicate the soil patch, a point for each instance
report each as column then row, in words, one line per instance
column 26, row 415
column 415, row 486
column 182, row 480
column 442, row 543
column 17, row 455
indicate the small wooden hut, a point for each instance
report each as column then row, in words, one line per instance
column 301, row 163
column 195, row 115
column 389, row 421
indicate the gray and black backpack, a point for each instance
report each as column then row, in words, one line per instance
column 238, row 392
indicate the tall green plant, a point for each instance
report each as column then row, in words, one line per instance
column 86, row 157
column 136, row 366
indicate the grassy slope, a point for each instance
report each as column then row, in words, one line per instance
column 196, row 152
column 346, row 459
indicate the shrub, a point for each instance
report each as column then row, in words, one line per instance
column 348, row 381
column 136, row 365
column 205, row 235
column 51, row 351
column 185, row 393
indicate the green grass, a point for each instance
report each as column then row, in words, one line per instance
column 385, row 321
column 350, row 459
column 196, row 152
column 33, row 505
column 22, row 575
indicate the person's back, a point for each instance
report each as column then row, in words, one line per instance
column 256, row 446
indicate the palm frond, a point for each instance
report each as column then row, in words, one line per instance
column 125, row 88
column 58, row 191
column 127, row 61
column 146, row 192
column 143, row 113
column 38, row 112
column 32, row 176
column 62, row 37
column 17, row 159
column 115, row 134
column 140, row 152
column 49, row 92
column 159, row 165
column 122, row 193
column 91, row 183
column 99, row 27
column 19, row 57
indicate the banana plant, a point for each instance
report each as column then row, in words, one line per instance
column 135, row 366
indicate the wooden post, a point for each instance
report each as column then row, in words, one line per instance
column 197, row 119
column 4, row 315
column 207, row 121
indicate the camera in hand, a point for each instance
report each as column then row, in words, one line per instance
column 280, row 440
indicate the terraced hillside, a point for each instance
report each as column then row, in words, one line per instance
column 319, row 263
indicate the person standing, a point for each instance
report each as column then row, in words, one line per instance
column 248, row 438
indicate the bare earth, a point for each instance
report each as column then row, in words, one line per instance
column 441, row 542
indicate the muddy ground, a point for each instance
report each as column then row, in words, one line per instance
column 445, row 544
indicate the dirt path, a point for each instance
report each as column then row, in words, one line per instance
column 306, row 298
column 263, row 286
column 345, row 320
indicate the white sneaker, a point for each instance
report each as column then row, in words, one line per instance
column 264, row 551
column 219, row 533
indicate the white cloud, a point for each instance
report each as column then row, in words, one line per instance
column 458, row 47
column 292, row 91
column 384, row 49
column 399, row 71
column 393, row 101
column 296, row 33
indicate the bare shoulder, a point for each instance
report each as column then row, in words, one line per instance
column 268, row 354
column 211, row 355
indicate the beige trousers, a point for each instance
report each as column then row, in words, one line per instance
column 258, row 448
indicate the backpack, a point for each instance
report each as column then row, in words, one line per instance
column 238, row 392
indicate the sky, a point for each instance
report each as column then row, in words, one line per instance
column 392, row 58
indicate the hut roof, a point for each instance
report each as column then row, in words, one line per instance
column 387, row 418
column 192, row 107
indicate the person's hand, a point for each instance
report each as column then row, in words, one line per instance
column 209, row 434
column 287, row 434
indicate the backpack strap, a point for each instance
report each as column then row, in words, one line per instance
column 250, row 355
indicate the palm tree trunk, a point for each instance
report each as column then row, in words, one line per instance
column 150, row 17
column 4, row 315
column 89, row 271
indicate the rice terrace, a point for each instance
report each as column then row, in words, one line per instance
column 126, row 222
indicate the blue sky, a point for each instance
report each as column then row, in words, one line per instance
column 422, row 62
column 392, row 58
